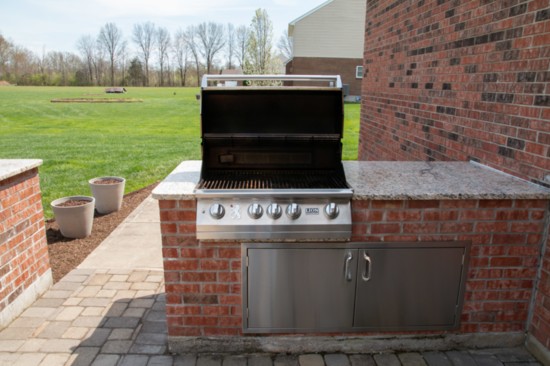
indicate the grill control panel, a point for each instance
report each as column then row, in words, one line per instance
column 273, row 218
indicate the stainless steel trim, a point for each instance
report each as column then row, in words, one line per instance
column 317, row 78
column 340, row 234
column 274, row 193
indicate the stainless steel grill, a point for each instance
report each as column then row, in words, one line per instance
column 272, row 160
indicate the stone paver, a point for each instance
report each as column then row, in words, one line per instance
column 286, row 360
column 436, row 359
column 29, row 359
column 32, row 345
column 387, row 359
column 411, row 359
column 234, row 361
column 361, row 360
column 186, row 360
column 106, row 360
column 311, row 360
column 134, row 360
column 337, row 360
column 259, row 360
column 55, row 359
column 209, row 360
column 461, row 358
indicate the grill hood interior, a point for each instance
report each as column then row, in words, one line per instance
column 275, row 111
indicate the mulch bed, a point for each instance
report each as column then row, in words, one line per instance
column 66, row 254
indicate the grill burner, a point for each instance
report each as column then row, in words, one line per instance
column 279, row 179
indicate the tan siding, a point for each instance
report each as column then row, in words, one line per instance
column 334, row 30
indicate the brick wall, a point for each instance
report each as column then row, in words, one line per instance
column 203, row 279
column 540, row 325
column 345, row 67
column 458, row 80
column 23, row 247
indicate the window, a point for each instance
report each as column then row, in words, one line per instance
column 359, row 72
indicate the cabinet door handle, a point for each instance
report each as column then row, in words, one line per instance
column 347, row 271
column 365, row 276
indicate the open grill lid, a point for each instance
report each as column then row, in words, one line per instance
column 257, row 132
column 272, row 110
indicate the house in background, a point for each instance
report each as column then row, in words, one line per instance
column 329, row 40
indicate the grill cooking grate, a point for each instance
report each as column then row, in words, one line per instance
column 280, row 179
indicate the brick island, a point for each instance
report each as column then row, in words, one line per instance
column 502, row 219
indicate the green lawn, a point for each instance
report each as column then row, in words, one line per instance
column 142, row 142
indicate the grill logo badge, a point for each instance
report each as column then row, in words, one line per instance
column 236, row 212
column 312, row 211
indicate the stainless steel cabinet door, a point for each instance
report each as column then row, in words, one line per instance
column 300, row 290
column 409, row 288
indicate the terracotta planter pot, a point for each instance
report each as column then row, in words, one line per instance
column 108, row 196
column 74, row 221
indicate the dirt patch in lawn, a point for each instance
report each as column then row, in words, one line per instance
column 66, row 254
column 96, row 100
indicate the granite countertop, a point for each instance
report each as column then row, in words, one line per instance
column 180, row 184
column 11, row 167
column 392, row 180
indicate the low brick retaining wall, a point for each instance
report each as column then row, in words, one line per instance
column 24, row 262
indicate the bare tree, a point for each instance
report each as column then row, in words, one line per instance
column 110, row 37
column 230, row 45
column 5, row 47
column 144, row 37
column 241, row 38
column 211, row 41
column 87, row 47
column 181, row 54
column 163, row 44
column 191, row 40
column 286, row 45
column 99, row 64
column 22, row 64
column 259, row 58
column 123, row 56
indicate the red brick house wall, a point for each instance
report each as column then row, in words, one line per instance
column 449, row 80
column 23, row 248
column 345, row 67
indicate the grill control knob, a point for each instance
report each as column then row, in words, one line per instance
column 255, row 211
column 332, row 210
column 293, row 211
column 274, row 211
column 217, row 211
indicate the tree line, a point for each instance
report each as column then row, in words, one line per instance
column 158, row 58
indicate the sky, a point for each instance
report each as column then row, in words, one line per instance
column 56, row 25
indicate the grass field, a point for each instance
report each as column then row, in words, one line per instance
column 140, row 141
